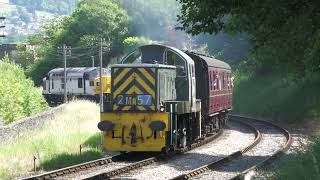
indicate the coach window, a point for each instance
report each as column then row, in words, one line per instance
column 223, row 84
column 214, row 81
column 210, row 80
column 217, row 82
column 228, row 81
column 175, row 60
column 80, row 83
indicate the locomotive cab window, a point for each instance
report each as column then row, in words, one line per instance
column 133, row 58
column 175, row 60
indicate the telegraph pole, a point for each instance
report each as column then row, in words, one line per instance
column 2, row 26
column 101, row 82
column 65, row 99
column 92, row 59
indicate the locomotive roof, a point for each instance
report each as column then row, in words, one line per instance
column 144, row 65
column 211, row 61
column 162, row 49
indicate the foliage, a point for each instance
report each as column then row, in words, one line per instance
column 132, row 43
column 56, row 144
column 271, row 95
column 18, row 97
column 81, row 30
column 284, row 34
column 25, row 56
column 304, row 165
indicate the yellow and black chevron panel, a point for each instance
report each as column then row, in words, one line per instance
column 134, row 88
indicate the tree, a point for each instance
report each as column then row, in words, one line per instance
column 18, row 96
column 132, row 43
column 81, row 30
column 25, row 57
column 284, row 34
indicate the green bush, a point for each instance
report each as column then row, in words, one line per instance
column 272, row 95
column 301, row 166
column 18, row 96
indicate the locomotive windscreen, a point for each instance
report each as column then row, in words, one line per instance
column 146, row 54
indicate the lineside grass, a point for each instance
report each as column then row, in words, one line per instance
column 304, row 165
column 57, row 144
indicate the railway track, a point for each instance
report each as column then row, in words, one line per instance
column 110, row 168
column 114, row 165
column 152, row 170
column 219, row 168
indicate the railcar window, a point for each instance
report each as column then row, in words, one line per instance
column 52, row 83
column 80, row 83
column 175, row 60
column 91, row 83
column 62, row 83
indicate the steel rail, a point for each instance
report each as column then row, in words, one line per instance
column 104, row 161
column 274, row 156
column 73, row 169
column 226, row 159
column 149, row 161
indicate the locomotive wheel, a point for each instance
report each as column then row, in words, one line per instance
column 165, row 150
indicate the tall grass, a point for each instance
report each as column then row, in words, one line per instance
column 57, row 144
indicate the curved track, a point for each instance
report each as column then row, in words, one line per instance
column 252, row 156
column 177, row 165
column 275, row 140
column 115, row 165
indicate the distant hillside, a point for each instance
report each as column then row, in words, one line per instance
column 60, row 7
column 24, row 17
